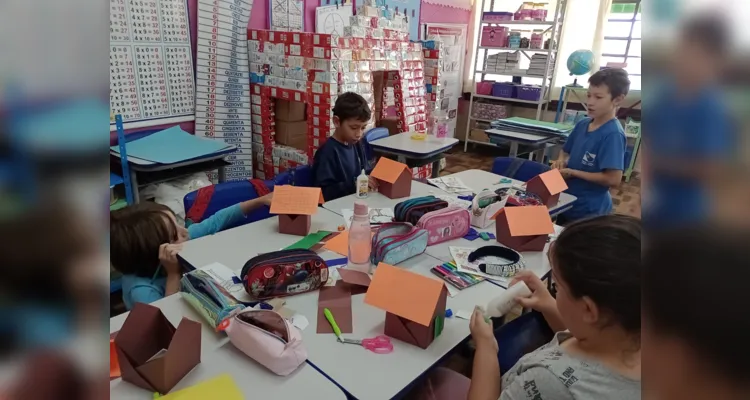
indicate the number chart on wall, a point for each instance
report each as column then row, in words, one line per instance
column 150, row 63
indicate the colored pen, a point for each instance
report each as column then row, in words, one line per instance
column 453, row 271
column 452, row 276
column 329, row 317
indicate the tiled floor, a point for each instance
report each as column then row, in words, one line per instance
column 626, row 198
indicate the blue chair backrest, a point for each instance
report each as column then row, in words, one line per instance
column 228, row 194
column 370, row 136
column 518, row 168
column 521, row 336
column 302, row 176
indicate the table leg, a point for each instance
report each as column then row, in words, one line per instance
column 222, row 174
column 134, row 186
column 513, row 149
column 401, row 159
column 539, row 155
column 435, row 169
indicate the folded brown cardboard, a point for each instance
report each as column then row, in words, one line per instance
column 145, row 333
column 290, row 111
column 292, row 134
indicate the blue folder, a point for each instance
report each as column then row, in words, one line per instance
column 173, row 145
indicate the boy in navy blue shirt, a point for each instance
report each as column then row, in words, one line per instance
column 593, row 157
column 341, row 158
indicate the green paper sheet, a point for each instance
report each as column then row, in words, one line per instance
column 308, row 241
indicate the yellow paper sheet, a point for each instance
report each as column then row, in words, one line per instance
column 222, row 387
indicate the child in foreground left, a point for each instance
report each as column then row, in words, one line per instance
column 145, row 239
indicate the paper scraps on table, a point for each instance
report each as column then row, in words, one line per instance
column 222, row 387
column 378, row 216
column 450, row 184
column 461, row 259
column 474, row 234
column 338, row 299
column 228, row 280
column 333, row 276
column 356, row 281
column 312, row 241
column 340, row 243
column 299, row 321
column 463, row 314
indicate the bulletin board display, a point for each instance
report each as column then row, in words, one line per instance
column 151, row 78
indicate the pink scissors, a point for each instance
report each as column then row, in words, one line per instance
column 380, row 344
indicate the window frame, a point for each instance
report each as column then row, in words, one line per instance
column 629, row 39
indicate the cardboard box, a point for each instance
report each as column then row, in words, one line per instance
column 292, row 134
column 479, row 135
column 140, row 346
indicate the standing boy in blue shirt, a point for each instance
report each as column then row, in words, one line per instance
column 593, row 158
column 342, row 157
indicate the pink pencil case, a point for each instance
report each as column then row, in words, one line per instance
column 445, row 224
column 268, row 338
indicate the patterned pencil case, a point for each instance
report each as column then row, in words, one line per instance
column 396, row 242
column 208, row 297
column 283, row 273
column 445, row 224
column 413, row 209
column 485, row 205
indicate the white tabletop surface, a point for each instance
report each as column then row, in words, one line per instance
column 368, row 375
column 237, row 245
column 479, row 180
column 219, row 356
column 403, row 143
column 377, row 200
column 529, row 137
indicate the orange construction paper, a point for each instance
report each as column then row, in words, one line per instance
column 554, row 181
column 114, row 365
column 388, row 170
column 296, row 200
column 528, row 220
column 340, row 243
column 404, row 293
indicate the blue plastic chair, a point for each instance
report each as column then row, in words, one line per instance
column 301, row 176
column 370, row 136
column 518, row 168
column 228, row 194
column 521, row 336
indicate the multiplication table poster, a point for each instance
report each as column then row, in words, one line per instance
column 150, row 63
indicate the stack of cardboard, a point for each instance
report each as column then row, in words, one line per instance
column 538, row 64
column 505, row 62
column 291, row 124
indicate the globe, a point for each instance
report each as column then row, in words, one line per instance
column 580, row 62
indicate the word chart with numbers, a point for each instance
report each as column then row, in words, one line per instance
column 150, row 62
column 222, row 96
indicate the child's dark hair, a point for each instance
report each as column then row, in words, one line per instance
column 615, row 79
column 695, row 291
column 600, row 258
column 709, row 32
column 135, row 234
column 350, row 105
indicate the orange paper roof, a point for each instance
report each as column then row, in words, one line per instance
column 404, row 293
column 554, row 181
column 527, row 220
column 296, row 200
column 388, row 170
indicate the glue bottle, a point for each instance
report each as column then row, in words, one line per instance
column 363, row 185
column 359, row 238
column 500, row 305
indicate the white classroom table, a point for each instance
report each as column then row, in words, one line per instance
column 219, row 356
column 404, row 147
column 478, row 180
column 377, row 200
column 516, row 138
column 242, row 243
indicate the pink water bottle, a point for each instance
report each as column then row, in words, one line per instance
column 359, row 238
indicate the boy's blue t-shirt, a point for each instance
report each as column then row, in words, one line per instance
column 697, row 128
column 595, row 151
column 336, row 167
column 149, row 289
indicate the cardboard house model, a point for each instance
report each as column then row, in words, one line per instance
column 140, row 346
column 548, row 186
column 523, row 228
column 394, row 178
column 414, row 304
column 295, row 207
